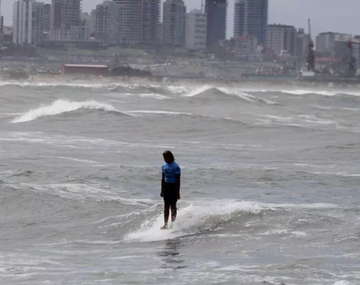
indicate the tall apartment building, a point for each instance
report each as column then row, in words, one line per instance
column 216, row 11
column 174, row 22
column 108, row 22
column 92, row 23
column 1, row 26
column 149, row 20
column 1, row 29
column 65, row 20
column 302, row 44
column 281, row 38
column 251, row 18
column 130, row 11
column 195, row 31
column 27, row 22
column 139, row 20
column 47, row 18
column 85, row 26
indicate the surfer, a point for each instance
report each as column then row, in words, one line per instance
column 170, row 186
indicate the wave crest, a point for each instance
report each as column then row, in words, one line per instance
column 62, row 106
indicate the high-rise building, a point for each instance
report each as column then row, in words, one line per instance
column 139, row 20
column 195, row 32
column 149, row 20
column 85, row 26
column 27, row 22
column 251, row 18
column 1, row 27
column 302, row 44
column 47, row 18
column 108, row 22
column 65, row 20
column 216, row 11
column 129, row 31
column 174, row 22
column 281, row 39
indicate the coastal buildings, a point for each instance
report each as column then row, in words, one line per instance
column 325, row 42
column 47, row 18
column 246, row 49
column 174, row 22
column 27, row 22
column 302, row 44
column 65, row 20
column 108, row 22
column 251, row 18
column 130, row 11
column 149, row 20
column 139, row 21
column 1, row 26
column 281, row 39
column 216, row 11
column 195, row 31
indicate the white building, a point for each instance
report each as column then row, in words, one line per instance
column 195, row 31
column 281, row 39
column 27, row 22
column 325, row 42
column 246, row 49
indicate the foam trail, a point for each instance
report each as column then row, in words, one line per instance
column 192, row 219
column 62, row 106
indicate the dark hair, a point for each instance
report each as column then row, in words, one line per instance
column 169, row 154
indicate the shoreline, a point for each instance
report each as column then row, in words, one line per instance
column 171, row 81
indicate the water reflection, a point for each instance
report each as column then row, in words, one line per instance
column 171, row 256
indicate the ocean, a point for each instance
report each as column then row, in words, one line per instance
column 270, row 183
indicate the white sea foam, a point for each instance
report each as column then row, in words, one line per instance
column 57, row 84
column 158, row 112
column 154, row 96
column 198, row 91
column 343, row 282
column 238, row 93
column 298, row 206
column 319, row 92
column 62, row 106
column 192, row 219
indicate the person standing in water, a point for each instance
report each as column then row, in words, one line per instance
column 170, row 186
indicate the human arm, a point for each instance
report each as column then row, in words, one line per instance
column 178, row 184
column 162, row 186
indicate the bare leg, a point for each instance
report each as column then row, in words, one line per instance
column 173, row 213
column 166, row 216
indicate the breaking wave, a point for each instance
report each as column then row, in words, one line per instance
column 62, row 106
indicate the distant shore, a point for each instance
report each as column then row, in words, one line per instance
column 167, row 81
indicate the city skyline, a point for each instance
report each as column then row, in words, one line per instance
column 336, row 17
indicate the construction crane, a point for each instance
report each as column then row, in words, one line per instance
column 310, row 61
column 348, row 62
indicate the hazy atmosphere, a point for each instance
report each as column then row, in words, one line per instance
column 140, row 153
column 326, row 15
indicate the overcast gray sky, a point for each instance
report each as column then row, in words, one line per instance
column 326, row 15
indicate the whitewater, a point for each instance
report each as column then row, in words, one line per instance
column 270, row 183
